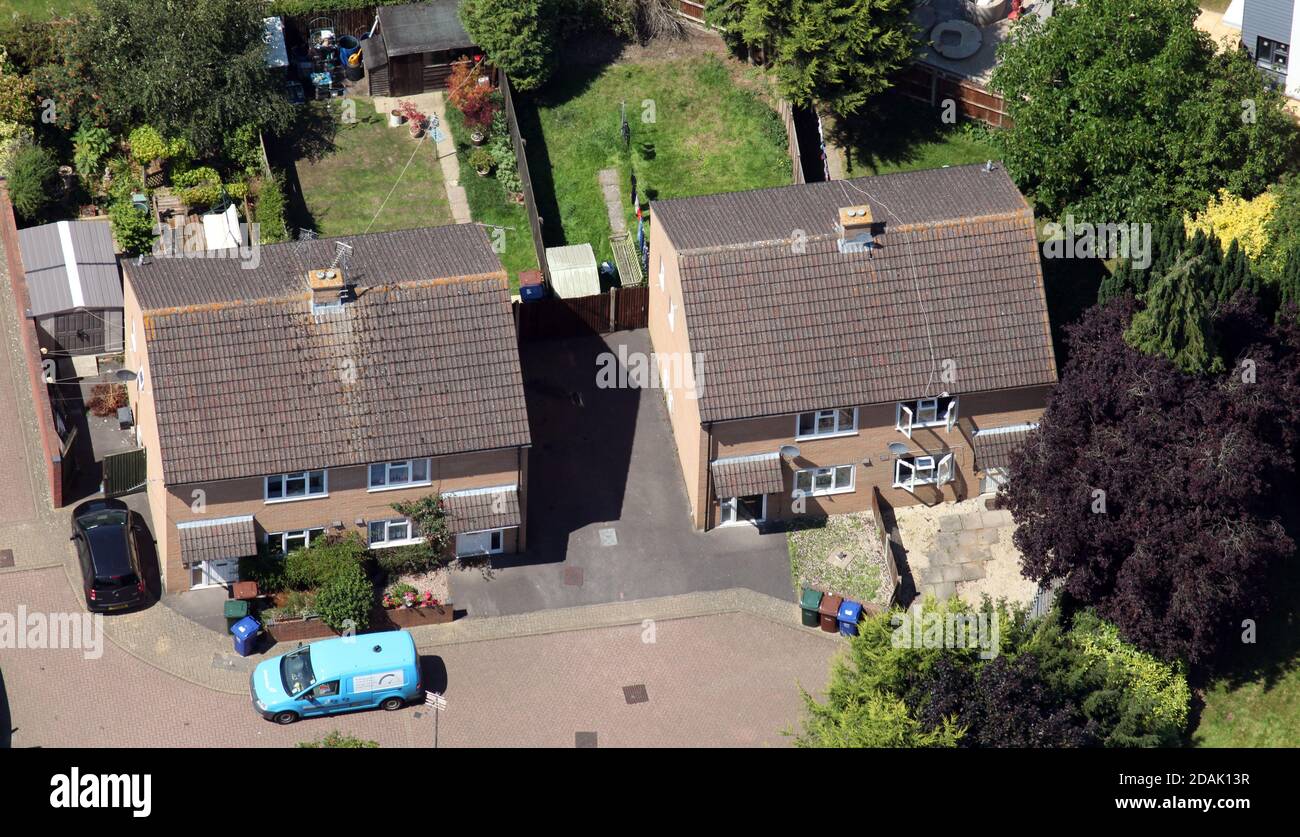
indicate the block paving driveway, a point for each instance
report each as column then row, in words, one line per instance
column 723, row 680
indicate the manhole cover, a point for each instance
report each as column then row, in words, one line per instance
column 6, row 557
column 573, row 576
column 840, row 560
column 608, row 537
column 584, row 740
column 636, row 694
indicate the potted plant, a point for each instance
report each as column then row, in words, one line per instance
column 415, row 120
column 395, row 118
column 482, row 161
column 478, row 136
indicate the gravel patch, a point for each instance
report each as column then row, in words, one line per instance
column 436, row 581
column 816, row 543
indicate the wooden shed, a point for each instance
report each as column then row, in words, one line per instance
column 74, row 287
column 413, row 48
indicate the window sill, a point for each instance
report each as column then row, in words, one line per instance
column 829, row 492
column 814, row 437
column 391, row 544
column 381, row 488
column 906, row 487
column 296, row 499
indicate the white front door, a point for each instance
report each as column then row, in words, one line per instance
column 751, row 509
column 479, row 543
column 214, row 573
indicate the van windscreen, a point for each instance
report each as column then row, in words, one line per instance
column 296, row 671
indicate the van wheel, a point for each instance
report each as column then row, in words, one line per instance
column 389, row 704
column 285, row 718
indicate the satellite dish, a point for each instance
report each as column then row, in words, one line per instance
column 897, row 448
column 125, row 375
column 790, row 451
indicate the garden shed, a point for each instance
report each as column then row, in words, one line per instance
column 573, row 271
column 413, row 48
column 74, row 287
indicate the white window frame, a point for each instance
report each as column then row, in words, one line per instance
column 306, row 478
column 389, row 484
column 389, row 541
column 496, row 542
column 813, row 491
column 817, row 420
column 936, row 471
column 672, row 313
column 661, row 273
column 924, row 412
column 305, row 534
column 733, row 504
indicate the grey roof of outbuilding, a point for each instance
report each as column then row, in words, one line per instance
column 423, row 365
column 376, row 259
column 993, row 446
column 743, row 476
column 781, row 321
column 422, row 27
column 50, row 284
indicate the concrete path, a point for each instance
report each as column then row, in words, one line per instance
column 611, row 187
column 1212, row 22
column 729, row 679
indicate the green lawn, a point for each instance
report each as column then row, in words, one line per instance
column 345, row 188
column 40, row 9
column 489, row 204
column 703, row 133
column 904, row 135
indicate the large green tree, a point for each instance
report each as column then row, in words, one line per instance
column 518, row 36
column 837, row 52
column 1126, row 110
column 192, row 68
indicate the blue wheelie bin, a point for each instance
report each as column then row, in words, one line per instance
column 246, row 632
column 850, row 613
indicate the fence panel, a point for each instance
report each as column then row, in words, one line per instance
column 631, row 307
column 125, row 472
column 521, row 157
column 553, row 318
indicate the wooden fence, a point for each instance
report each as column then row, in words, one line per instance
column 553, row 318
column 521, row 157
column 885, row 528
column 933, row 86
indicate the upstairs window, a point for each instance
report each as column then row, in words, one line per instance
column 826, row 423
column 298, row 485
column 401, row 473
column 926, row 412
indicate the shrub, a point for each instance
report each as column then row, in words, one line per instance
column 481, row 159
column 338, row 741
column 429, row 520
column 106, row 399
column 266, row 568
column 132, row 228
column 147, row 145
column 91, row 145
column 345, row 600
column 471, row 97
column 325, row 559
column 14, row 137
column 1232, row 218
column 269, row 212
column 31, row 181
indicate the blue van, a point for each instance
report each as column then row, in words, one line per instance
column 338, row 675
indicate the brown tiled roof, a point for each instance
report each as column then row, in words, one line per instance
column 479, row 511
column 376, row 259
column 993, row 449
column 218, row 540
column 746, row 475
column 955, row 283
column 420, row 369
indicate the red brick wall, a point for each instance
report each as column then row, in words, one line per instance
column 51, row 453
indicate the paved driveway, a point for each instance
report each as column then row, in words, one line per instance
column 724, row 680
column 605, row 459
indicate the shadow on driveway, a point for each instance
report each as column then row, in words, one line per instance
column 604, row 459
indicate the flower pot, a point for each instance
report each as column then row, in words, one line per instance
column 395, row 118
column 417, row 130
column 478, row 136
column 483, row 172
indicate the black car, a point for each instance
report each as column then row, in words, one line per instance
column 105, row 536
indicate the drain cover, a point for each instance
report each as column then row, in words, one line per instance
column 573, row 576
column 584, row 740
column 6, row 557
column 608, row 537
column 636, row 694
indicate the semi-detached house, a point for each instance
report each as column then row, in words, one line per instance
column 885, row 333
column 309, row 394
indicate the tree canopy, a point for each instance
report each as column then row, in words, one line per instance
column 519, row 36
column 838, row 52
column 195, row 69
column 1125, row 111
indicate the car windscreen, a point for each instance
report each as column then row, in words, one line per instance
column 296, row 671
